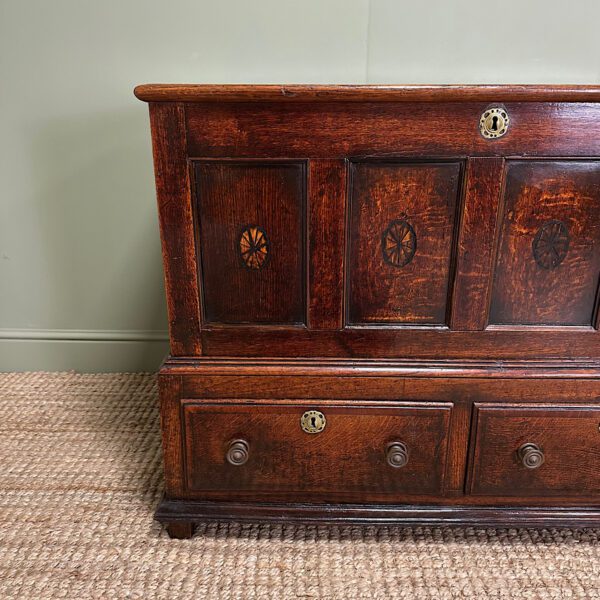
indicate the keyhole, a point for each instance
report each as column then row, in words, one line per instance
column 313, row 421
column 493, row 123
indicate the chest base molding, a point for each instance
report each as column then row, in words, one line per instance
column 182, row 516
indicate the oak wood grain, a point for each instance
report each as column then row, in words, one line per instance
column 423, row 342
column 309, row 312
column 239, row 199
column 176, row 228
column 164, row 92
column 327, row 209
column 170, row 389
column 476, row 243
column 562, row 368
column 401, row 233
column 443, row 388
column 411, row 129
column 347, row 457
column 559, row 201
column 567, row 437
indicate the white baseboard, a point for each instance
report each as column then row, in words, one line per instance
column 86, row 351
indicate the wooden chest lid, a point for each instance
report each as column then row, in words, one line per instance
column 167, row 92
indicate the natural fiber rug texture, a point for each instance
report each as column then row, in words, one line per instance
column 81, row 474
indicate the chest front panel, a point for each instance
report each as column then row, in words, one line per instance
column 251, row 241
column 389, row 230
column 548, row 259
column 400, row 238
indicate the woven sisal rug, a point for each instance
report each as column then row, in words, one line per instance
column 81, row 474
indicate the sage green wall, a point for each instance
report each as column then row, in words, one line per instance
column 80, row 274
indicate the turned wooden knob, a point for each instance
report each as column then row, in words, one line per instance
column 531, row 456
column 238, row 452
column 396, row 454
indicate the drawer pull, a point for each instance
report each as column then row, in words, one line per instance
column 238, row 452
column 397, row 454
column 531, row 456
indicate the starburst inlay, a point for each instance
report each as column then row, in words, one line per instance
column 254, row 247
column 398, row 243
column 551, row 244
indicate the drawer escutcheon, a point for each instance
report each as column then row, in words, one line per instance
column 313, row 421
column 494, row 123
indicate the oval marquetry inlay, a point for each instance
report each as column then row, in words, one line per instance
column 254, row 247
column 398, row 243
column 551, row 244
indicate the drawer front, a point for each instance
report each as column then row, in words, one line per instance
column 401, row 235
column 536, row 451
column 263, row 448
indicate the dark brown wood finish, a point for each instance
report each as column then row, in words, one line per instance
column 548, row 265
column 402, row 342
column 251, row 219
column 461, row 386
column 408, row 129
column 176, row 228
column 165, row 92
column 476, row 243
column 458, row 444
column 562, row 368
column 401, row 234
column 327, row 203
column 367, row 253
column 348, row 458
column 180, row 530
column 178, row 515
column 564, row 442
column 169, row 388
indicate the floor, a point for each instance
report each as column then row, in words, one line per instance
column 81, row 475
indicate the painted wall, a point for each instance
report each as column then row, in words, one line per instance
column 80, row 273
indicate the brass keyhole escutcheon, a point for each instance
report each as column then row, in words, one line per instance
column 313, row 421
column 494, row 123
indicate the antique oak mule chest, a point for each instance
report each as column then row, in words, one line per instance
column 383, row 303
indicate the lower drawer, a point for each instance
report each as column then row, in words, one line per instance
column 362, row 449
column 536, row 450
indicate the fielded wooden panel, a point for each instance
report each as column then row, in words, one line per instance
column 548, row 263
column 400, row 236
column 348, row 456
column 251, row 229
column 568, row 438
